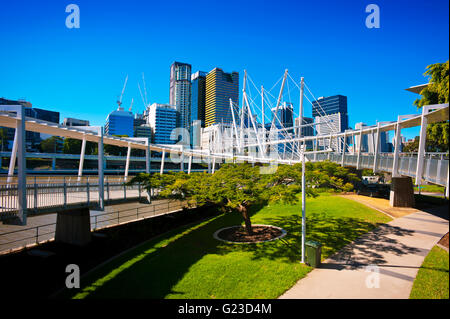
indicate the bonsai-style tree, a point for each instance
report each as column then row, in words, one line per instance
column 234, row 187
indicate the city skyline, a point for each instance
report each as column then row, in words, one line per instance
column 82, row 69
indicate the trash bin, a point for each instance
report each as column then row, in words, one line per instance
column 313, row 253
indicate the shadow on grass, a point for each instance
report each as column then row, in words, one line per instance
column 149, row 272
column 336, row 234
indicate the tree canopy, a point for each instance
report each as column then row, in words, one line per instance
column 436, row 92
column 235, row 187
column 52, row 144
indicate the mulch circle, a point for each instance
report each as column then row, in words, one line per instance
column 238, row 234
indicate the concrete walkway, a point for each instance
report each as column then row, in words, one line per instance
column 397, row 249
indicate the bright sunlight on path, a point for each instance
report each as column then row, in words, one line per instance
column 397, row 248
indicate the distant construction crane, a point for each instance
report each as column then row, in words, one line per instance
column 119, row 102
column 131, row 105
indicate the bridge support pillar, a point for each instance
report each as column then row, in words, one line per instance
column 73, row 227
column 161, row 170
column 402, row 192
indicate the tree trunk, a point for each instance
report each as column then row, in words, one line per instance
column 248, row 224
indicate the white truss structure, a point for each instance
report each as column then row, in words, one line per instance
column 247, row 140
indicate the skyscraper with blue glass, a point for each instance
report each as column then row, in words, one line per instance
column 283, row 120
column 198, row 97
column 162, row 118
column 119, row 122
column 323, row 109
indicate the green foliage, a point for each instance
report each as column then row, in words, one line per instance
column 330, row 175
column 73, row 146
column 235, row 187
column 437, row 137
column 412, row 146
column 51, row 145
column 3, row 136
column 437, row 92
column 115, row 150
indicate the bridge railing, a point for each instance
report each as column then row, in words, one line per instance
column 39, row 234
column 62, row 191
column 435, row 167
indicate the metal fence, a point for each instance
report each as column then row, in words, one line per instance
column 45, row 192
column 435, row 168
column 30, row 236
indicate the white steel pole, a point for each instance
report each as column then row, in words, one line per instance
column 279, row 98
column 263, row 121
column 127, row 163
column 343, row 150
column 397, row 144
column 300, row 111
column 101, row 194
column 148, row 155
column 161, row 171
column 12, row 160
column 421, row 150
column 377, row 149
column 83, row 151
column 21, row 166
column 358, row 159
column 303, row 203
column 189, row 164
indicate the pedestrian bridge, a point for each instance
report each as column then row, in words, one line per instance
column 22, row 195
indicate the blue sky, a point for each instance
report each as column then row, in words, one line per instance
column 80, row 72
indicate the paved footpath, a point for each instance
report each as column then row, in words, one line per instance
column 397, row 248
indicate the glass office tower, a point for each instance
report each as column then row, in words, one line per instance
column 119, row 122
column 198, row 97
column 332, row 105
column 284, row 119
column 220, row 88
column 162, row 118
column 180, row 92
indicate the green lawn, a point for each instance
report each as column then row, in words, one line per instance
column 190, row 263
column 432, row 279
column 430, row 188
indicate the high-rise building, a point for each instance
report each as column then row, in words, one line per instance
column 198, row 97
column 140, row 127
column 220, row 88
column 162, row 118
column 284, row 119
column 335, row 105
column 119, row 122
column 305, row 130
column 180, row 92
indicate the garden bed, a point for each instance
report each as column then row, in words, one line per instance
column 260, row 233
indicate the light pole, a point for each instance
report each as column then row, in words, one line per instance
column 303, row 202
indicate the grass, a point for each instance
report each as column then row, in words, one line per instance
column 431, row 188
column 432, row 280
column 190, row 263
